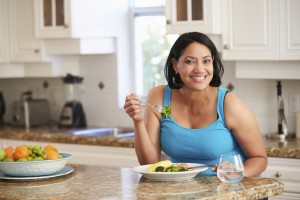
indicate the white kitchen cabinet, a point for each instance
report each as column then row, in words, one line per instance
column 193, row 15
column 286, row 171
column 76, row 18
column 52, row 18
column 289, row 29
column 88, row 154
column 25, row 47
column 4, row 31
column 250, row 30
column 261, row 30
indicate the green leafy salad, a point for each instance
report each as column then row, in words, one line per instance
column 166, row 112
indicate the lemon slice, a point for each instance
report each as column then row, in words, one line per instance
column 164, row 163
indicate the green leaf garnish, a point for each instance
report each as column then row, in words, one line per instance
column 166, row 112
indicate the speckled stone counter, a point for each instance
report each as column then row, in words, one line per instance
column 53, row 134
column 94, row 182
column 289, row 148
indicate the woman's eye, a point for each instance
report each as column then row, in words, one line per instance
column 206, row 61
column 189, row 61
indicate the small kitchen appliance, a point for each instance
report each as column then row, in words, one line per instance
column 30, row 112
column 72, row 115
column 282, row 130
column 282, row 126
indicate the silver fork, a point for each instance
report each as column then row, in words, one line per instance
column 157, row 108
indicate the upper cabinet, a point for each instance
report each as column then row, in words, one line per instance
column 261, row 30
column 52, row 18
column 193, row 15
column 289, row 29
column 76, row 18
column 4, row 31
column 25, row 47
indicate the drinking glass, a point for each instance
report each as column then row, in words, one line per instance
column 230, row 168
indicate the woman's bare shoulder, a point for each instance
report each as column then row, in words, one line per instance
column 235, row 109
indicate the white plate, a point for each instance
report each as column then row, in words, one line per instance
column 66, row 170
column 170, row 176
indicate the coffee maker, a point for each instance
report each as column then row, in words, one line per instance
column 72, row 115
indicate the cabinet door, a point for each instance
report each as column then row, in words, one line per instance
column 52, row 18
column 290, row 30
column 25, row 47
column 286, row 171
column 4, row 31
column 192, row 15
column 250, row 30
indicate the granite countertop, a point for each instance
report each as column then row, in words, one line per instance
column 290, row 148
column 95, row 182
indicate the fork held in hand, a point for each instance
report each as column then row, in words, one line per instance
column 154, row 107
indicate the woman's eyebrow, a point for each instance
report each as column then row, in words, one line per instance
column 207, row 57
column 191, row 57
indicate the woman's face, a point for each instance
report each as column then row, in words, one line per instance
column 195, row 66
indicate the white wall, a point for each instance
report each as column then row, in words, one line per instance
column 261, row 96
column 101, row 106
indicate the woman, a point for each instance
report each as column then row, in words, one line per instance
column 206, row 120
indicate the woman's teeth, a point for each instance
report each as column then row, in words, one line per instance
column 199, row 77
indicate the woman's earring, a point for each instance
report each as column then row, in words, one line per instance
column 177, row 80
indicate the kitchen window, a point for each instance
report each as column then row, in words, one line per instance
column 151, row 44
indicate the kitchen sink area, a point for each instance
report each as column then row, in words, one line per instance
column 119, row 132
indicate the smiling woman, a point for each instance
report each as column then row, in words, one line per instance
column 206, row 119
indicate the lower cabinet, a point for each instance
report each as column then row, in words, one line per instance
column 286, row 171
column 88, row 154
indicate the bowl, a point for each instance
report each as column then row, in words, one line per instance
column 34, row 168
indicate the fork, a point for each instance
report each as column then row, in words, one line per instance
column 157, row 108
column 202, row 165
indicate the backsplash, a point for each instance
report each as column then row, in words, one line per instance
column 101, row 105
column 12, row 89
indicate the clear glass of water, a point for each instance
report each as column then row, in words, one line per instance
column 230, row 168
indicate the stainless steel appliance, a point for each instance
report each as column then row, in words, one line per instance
column 282, row 126
column 282, row 129
column 72, row 115
column 30, row 112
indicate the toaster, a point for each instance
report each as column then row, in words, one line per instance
column 30, row 112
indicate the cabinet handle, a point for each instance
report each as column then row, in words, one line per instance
column 169, row 21
column 36, row 51
column 277, row 174
column 226, row 46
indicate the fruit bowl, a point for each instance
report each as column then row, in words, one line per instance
column 34, row 168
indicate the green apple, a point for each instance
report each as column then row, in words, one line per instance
column 2, row 155
column 22, row 160
column 8, row 160
column 38, row 158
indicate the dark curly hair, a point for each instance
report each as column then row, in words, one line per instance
column 177, row 50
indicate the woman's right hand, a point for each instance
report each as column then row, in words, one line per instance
column 133, row 107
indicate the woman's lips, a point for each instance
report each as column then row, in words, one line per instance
column 199, row 78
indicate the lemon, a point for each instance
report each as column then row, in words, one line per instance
column 164, row 163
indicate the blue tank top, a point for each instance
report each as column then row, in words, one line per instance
column 203, row 145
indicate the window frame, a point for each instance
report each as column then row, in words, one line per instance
column 138, row 12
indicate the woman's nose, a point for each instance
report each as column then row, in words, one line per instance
column 198, row 66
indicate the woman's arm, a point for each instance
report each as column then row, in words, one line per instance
column 241, row 121
column 146, row 125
